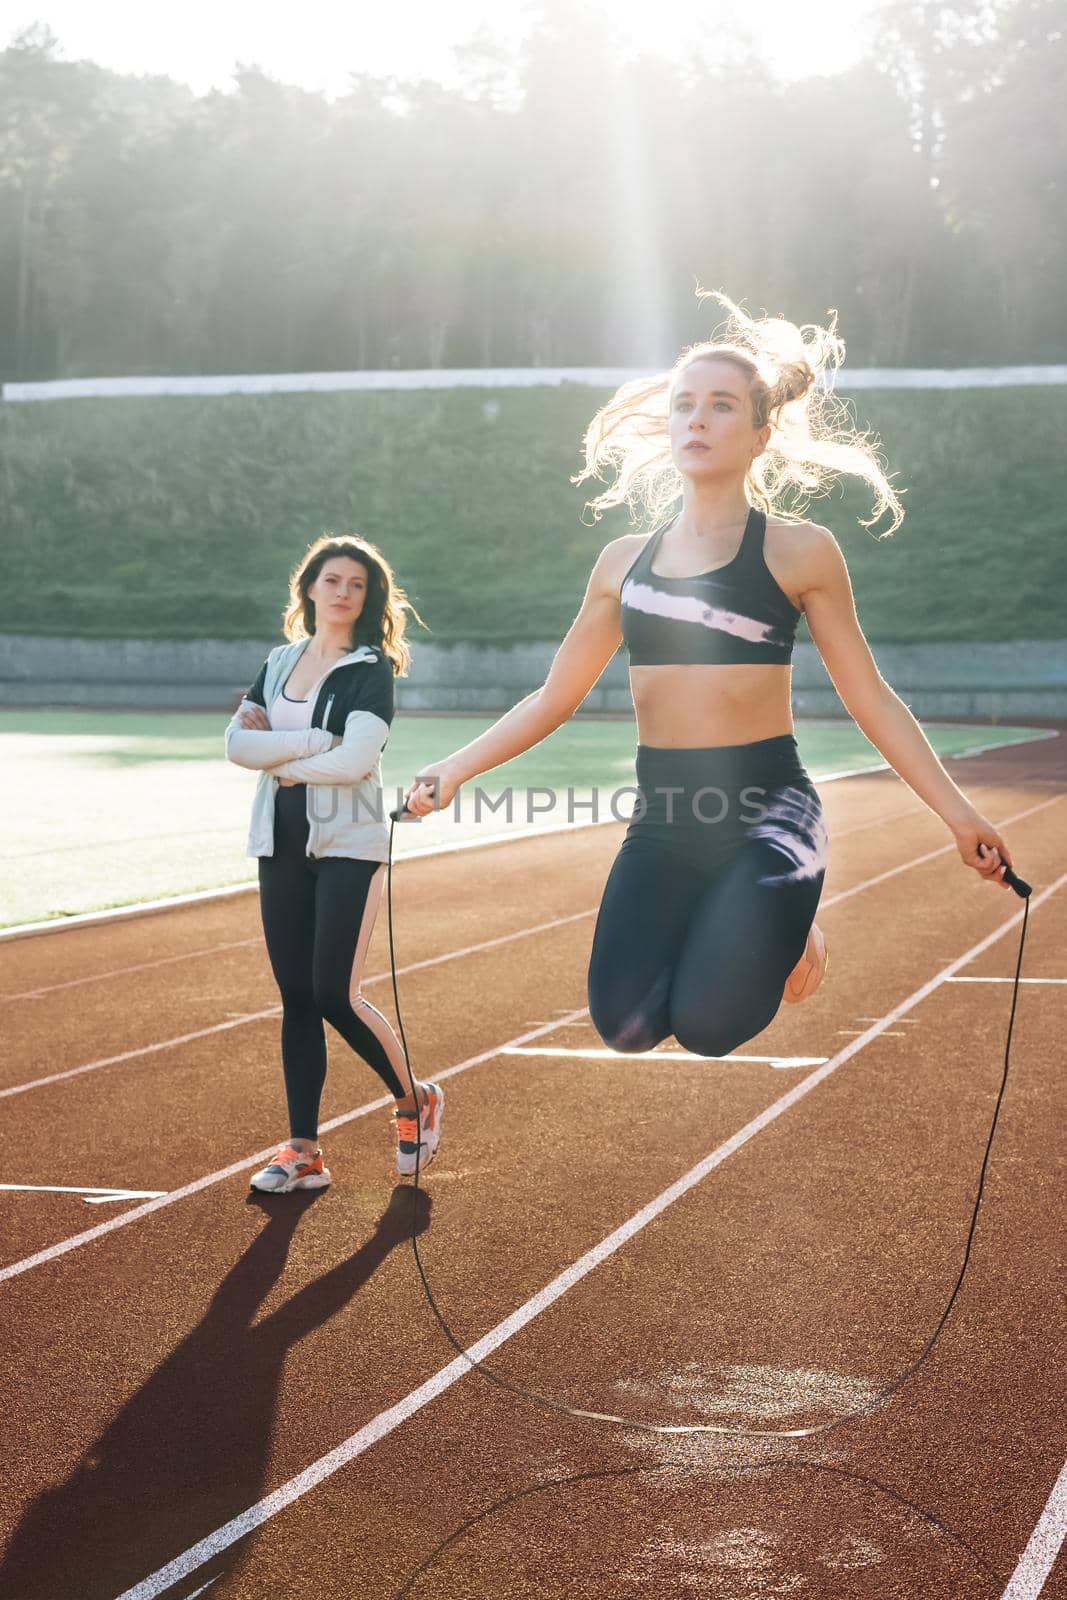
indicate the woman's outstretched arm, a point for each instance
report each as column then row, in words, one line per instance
column 591, row 641
column 830, row 610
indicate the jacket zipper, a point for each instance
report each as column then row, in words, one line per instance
column 333, row 697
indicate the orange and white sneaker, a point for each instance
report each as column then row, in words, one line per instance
column 291, row 1169
column 419, row 1136
column 809, row 971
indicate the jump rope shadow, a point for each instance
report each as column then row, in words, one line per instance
column 189, row 1450
column 676, row 1565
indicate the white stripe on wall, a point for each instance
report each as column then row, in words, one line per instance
column 495, row 378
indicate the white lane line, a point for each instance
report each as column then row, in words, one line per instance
column 244, row 1165
column 931, row 855
column 1034, row 736
column 123, row 972
column 275, row 1011
column 386, row 1421
column 852, row 1032
column 248, row 1162
column 485, row 944
column 208, row 951
column 665, row 1055
column 142, row 1050
column 1007, row 980
column 149, row 907
column 1043, row 1546
column 452, row 955
column 376, row 977
column 861, row 827
column 93, row 1197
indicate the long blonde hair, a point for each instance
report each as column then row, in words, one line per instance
column 813, row 439
column 383, row 620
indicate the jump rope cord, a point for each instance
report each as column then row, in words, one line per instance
column 879, row 1399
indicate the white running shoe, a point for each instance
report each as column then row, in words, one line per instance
column 419, row 1136
column 291, row 1169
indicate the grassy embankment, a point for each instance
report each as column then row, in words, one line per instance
column 181, row 517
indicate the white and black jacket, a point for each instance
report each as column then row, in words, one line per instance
column 345, row 804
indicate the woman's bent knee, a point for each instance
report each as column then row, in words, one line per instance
column 719, row 1033
column 707, row 1040
column 630, row 1032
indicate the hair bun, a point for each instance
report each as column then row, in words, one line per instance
column 812, row 436
column 795, row 379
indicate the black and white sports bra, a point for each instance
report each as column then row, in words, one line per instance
column 734, row 613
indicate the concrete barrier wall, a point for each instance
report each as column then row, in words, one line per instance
column 1003, row 681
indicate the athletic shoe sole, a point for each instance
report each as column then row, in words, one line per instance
column 812, row 980
column 425, row 1157
column 314, row 1180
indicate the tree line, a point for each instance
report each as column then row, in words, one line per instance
column 556, row 206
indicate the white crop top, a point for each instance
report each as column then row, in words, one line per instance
column 286, row 713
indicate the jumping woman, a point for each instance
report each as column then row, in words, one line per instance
column 314, row 724
column 707, row 916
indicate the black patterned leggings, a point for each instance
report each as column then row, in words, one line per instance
column 708, row 903
column 318, row 916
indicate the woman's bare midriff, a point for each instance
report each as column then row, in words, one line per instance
column 681, row 707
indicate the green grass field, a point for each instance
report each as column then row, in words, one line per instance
column 180, row 517
column 108, row 809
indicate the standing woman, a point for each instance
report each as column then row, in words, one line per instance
column 314, row 724
column 707, row 916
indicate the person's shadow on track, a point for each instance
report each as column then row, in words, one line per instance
column 188, row 1451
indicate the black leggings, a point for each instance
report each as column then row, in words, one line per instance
column 708, row 904
column 317, row 920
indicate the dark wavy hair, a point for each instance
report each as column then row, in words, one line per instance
column 383, row 620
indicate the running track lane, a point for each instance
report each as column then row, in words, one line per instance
column 941, row 1557
column 168, row 1099
column 651, row 1108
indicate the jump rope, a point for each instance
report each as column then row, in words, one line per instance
column 1022, row 889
